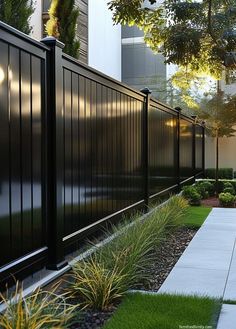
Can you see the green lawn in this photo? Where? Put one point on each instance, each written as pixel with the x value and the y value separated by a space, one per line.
pixel 139 311
pixel 196 216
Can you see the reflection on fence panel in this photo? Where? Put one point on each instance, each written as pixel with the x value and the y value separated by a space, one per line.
pixel 186 149
pixel 199 149
pixel 162 127
pixel 78 152
pixel 22 224
pixel 103 148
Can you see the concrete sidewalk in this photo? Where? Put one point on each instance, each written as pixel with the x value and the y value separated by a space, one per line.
pixel 208 265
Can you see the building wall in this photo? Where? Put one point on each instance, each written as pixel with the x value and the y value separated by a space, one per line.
pixel 227 152
pixel 82 29
pixel 36 20
pixel 104 40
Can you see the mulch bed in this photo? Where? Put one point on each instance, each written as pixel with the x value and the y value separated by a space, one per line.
pixel 167 256
pixel 212 202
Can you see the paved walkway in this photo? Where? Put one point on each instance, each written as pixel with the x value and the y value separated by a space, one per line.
pixel 208 265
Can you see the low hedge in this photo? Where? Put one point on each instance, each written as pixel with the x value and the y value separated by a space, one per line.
pixel 223 173
pixel 221 183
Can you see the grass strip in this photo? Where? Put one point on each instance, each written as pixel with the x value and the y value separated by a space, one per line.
pixel 143 311
pixel 195 216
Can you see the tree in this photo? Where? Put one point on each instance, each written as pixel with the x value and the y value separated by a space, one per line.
pixel 219 113
pixel 17 14
pixel 62 25
pixel 198 36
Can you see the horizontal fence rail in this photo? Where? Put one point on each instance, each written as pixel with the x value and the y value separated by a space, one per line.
pixel 78 149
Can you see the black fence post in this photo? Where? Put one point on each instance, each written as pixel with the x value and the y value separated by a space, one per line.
pixel 194 117
pixel 147 92
pixel 54 138
pixel 178 146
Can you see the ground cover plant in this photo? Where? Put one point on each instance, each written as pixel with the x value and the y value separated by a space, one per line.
pixel 139 311
pixel 196 216
pixel 104 277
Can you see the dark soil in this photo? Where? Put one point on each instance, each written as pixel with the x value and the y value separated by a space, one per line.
pixel 212 202
pixel 167 256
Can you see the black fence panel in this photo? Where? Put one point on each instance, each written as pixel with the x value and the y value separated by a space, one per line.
pixel 103 167
pixel 186 152
pixel 199 149
pixel 163 148
pixel 78 149
pixel 22 80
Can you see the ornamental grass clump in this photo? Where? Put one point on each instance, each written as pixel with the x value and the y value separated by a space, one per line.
pixel 104 277
pixel 41 310
pixel 97 285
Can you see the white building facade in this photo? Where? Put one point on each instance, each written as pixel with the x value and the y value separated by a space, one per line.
pixel 100 40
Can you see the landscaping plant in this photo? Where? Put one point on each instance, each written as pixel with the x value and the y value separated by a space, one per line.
pixel 41 310
pixel 97 285
pixel 201 189
pixel 119 265
pixel 63 25
pixel 227 199
pixel 207 186
pixel 17 14
pixel 192 195
pixel 222 184
pixel 228 188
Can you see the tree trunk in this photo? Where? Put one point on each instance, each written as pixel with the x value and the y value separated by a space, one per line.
pixel 217 164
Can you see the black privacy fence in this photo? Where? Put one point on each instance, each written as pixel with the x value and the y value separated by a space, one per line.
pixel 78 149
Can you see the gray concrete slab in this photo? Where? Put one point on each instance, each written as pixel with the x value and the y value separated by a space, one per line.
pixel 230 289
pixel 204 267
pixel 202 258
pixel 215 241
pixel 195 281
pixel 227 318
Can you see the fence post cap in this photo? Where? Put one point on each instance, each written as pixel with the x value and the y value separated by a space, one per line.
pixel 146 91
pixel 177 108
pixel 51 41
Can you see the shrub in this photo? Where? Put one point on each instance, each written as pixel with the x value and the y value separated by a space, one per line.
pixel 221 183
pixel 226 199
pixel 119 265
pixel 229 190
pixel 208 186
pixel 192 195
pixel 41 310
pixel 223 173
pixel 201 189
